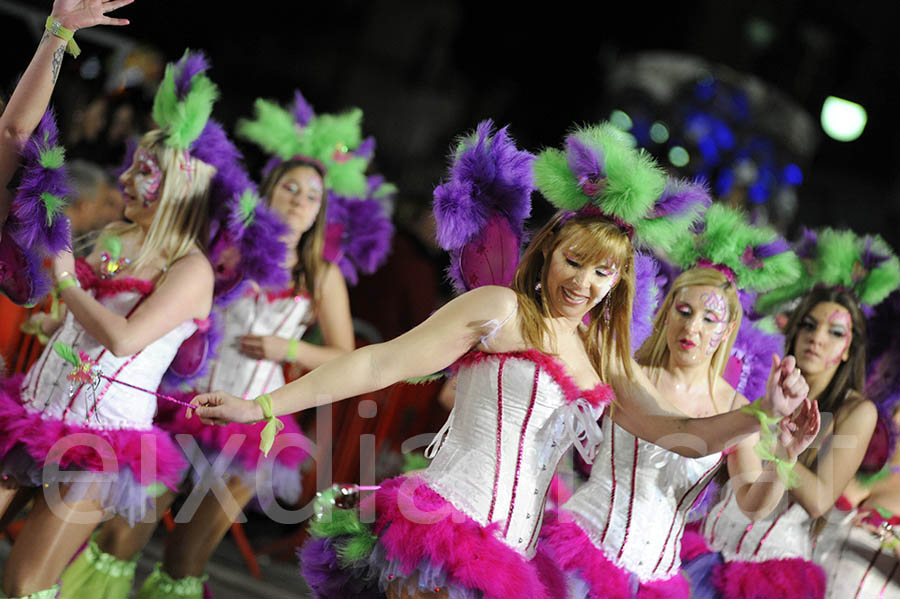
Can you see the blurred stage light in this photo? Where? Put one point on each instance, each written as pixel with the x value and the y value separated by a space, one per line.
pixel 659 132
pixel 678 156
pixel 620 120
pixel 843 120
pixel 792 174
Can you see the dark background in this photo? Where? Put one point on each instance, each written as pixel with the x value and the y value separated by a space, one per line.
pixel 424 72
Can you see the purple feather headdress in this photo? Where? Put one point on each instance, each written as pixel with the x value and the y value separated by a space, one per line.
pixel 359 232
pixel 647 297
pixel 489 191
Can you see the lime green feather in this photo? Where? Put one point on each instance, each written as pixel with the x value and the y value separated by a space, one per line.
pixel 347 178
pixel 384 190
pixel 838 253
pixel 664 234
pixel 67 353
pixel 867 480
pixel 52 205
pixel 353 539
pixel 248 202
pixel 53 157
pixel 421 380
pixel 273 129
pixel 556 182
pixel 326 134
pixel 415 461
pixel 183 120
pixel 165 101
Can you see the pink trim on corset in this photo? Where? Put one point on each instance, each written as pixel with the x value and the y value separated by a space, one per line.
pixel 600 395
pixel 259 362
pixel 612 492
pixel 46 356
pixel 766 534
pixel 630 499
pixel 274 296
pixel 275 366
pixel 744 535
pixel 512 503
pixel 866 573
pixel 109 382
pixel 490 515
pixel 888 580
pixel 703 479
pixel 712 532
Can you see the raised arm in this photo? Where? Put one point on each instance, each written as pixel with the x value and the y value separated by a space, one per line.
pixel 433 345
pixel 638 411
pixel 32 94
pixel 185 293
pixel 334 320
pixel 839 461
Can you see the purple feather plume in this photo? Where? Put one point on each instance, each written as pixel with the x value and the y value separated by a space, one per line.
pixel 363 235
pixel 263 252
pixel 488 175
pixel 871 259
pixel 647 297
pixel 28 220
pixel 191 63
pixel 327 577
pixel 585 162
pixel 681 196
pixel 231 179
pixel 767 250
pixel 753 348
pixel 808 245
pixel 366 149
pixel 302 110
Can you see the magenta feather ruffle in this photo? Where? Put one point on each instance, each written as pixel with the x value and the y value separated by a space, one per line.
pixel 793 578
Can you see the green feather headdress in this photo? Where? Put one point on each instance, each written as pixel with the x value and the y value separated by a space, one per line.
pixel 329 139
pixel 598 169
pixel 756 258
pixel 184 101
pixel 865 265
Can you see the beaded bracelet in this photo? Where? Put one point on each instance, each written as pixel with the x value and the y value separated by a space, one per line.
pixel 57 29
pixel 765 448
pixel 273 426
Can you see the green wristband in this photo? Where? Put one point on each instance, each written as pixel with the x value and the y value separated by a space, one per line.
pixel 273 426
pixel 768 440
pixel 67 282
pixel 292 350
pixel 57 29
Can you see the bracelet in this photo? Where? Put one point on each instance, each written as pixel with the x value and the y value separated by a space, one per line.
pixel 57 29
pixel 66 280
pixel 765 448
pixel 293 348
pixel 34 328
pixel 273 426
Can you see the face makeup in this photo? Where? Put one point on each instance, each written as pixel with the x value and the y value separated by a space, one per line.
pixel 147 178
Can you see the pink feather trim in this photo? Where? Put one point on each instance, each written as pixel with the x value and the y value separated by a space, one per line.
pixel 122 447
pixel 109 287
pixel 693 543
pixel 416 524
pixel 574 553
pixel 601 395
pixel 173 419
pixel 793 578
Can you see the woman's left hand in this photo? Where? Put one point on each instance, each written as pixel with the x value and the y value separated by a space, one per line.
pixel 798 431
pixel 81 14
pixel 264 347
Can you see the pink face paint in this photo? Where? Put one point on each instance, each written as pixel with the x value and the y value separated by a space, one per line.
pixel 717 307
pixel 841 317
pixel 148 177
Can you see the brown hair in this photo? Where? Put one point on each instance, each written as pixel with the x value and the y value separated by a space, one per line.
pixel 655 351
pixel 310 263
pixel 595 239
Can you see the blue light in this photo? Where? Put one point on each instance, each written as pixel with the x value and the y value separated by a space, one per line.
pixel 792 174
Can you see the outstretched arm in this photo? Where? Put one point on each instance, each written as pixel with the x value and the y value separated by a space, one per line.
pixel 32 94
pixel 638 411
pixel 819 489
pixel 433 345
pixel 334 320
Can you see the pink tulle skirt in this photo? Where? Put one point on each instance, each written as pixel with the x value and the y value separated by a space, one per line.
pixel 279 472
pixel 592 574
pixel 793 578
pixel 122 468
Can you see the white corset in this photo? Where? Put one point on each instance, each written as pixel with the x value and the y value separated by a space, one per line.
pixel 514 418
pixel 254 314
pixel 110 405
pixel 636 502
pixel 785 533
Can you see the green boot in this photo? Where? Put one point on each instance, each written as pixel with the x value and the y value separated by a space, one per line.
pixel 162 586
pixel 97 575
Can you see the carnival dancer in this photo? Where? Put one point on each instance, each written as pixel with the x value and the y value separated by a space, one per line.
pixel 827 332
pixel 262 330
pixel 86 434
pixel 531 384
pixel 31 220
pixel 620 534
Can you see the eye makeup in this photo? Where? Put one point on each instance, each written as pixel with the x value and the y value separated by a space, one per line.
pixel 148 177
pixel 840 321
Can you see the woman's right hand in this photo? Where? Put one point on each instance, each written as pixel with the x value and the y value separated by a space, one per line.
pixel 81 14
pixel 219 407
pixel 786 388
pixel 797 432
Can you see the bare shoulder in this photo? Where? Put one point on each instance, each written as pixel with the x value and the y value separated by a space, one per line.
pixel 332 275
pixel 728 398
pixel 502 300
pixel 858 411
pixel 193 265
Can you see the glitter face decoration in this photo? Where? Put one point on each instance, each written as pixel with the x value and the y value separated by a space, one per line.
pixel 840 320
pixel 148 177
pixel 716 311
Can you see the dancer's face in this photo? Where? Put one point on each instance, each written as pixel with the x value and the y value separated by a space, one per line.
pixel 575 285
pixel 697 323
pixel 823 339
pixel 141 187
pixel 297 197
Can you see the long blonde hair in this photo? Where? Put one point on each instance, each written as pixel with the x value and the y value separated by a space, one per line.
pixel 654 352
pixel 181 221
pixel 596 240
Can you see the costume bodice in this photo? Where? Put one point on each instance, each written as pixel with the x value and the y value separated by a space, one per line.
pixel 108 404
pixel 515 416
pixel 785 533
pixel 636 502
pixel 257 313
